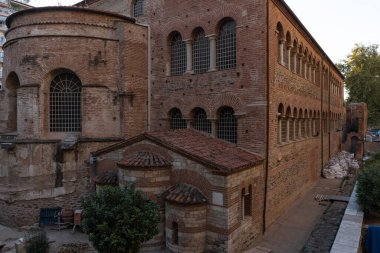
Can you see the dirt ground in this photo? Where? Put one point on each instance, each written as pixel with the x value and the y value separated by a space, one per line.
pixel 61 241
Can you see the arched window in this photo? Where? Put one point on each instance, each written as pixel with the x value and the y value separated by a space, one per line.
pixel 175 233
pixel 12 83
pixel 280 43
pixel 227 125
pixel 246 202
pixel 226 45
pixel 201 52
pixel 200 121
pixel 176 120
pixel 138 8
pixel 178 55
pixel 65 103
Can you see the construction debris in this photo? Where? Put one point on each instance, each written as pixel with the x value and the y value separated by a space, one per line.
pixel 340 165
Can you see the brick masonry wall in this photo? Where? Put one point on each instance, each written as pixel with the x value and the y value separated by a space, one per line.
pixel 109 55
pixel 191 222
pixel 28 175
pixel 295 165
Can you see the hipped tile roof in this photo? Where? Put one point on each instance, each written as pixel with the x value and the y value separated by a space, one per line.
pixel 221 156
pixel 184 194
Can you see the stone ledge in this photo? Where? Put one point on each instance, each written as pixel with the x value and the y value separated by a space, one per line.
pixel 347 239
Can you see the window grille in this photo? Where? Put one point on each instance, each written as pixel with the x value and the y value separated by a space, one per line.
pixel 201 52
pixel 200 121
pixel 227 125
pixel 138 8
pixel 178 55
pixel 226 46
pixel 176 120
pixel 65 103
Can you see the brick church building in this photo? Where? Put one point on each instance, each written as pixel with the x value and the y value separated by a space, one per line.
pixel 223 112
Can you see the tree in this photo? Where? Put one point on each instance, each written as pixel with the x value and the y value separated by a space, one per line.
pixel 362 71
pixel 368 191
pixel 119 220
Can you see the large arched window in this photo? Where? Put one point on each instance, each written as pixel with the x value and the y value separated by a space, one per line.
pixel 176 120
pixel 226 45
pixel 138 8
pixel 200 121
pixel 227 125
pixel 65 103
pixel 201 51
pixel 178 54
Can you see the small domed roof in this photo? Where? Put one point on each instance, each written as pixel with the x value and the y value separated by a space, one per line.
pixel 144 159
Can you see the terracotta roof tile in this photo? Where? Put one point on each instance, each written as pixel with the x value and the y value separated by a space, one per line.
pixel 222 155
pixel 144 159
pixel 184 194
pixel 107 178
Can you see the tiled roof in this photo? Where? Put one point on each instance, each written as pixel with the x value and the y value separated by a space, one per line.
pixel 107 178
pixel 219 154
pixel 184 194
pixel 144 159
pixel 222 156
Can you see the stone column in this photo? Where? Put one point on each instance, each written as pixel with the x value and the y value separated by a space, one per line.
pixel 281 51
pixel 212 39
pixel 189 55
pixel 213 128
pixel 289 52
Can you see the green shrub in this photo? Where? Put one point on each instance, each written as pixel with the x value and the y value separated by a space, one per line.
pixel 368 191
pixel 36 241
pixel 119 220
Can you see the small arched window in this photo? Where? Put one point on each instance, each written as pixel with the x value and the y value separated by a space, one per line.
pixel 176 120
pixel 227 125
pixel 175 233
pixel 246 202
pixel 138 8
pixel 178 55
pixel 201 51
pixel 200 121
pixel 65 103
pixel 226 45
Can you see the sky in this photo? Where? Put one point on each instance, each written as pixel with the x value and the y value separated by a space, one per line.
pixel 337 25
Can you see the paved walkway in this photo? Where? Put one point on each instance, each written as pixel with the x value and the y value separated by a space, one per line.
pixel 290 232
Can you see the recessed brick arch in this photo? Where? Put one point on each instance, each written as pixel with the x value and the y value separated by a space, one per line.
pixel 229 100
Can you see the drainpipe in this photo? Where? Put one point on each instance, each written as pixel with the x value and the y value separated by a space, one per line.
pixel 267 125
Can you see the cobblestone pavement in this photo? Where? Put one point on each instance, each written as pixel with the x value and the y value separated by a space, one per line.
pixel 323 235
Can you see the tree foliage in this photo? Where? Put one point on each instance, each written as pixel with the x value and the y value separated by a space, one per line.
pixel 119 220
pixel 369 185
pixel 362 71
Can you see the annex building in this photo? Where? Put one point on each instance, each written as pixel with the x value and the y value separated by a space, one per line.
pixel 223 112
